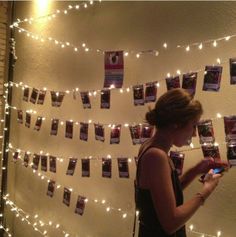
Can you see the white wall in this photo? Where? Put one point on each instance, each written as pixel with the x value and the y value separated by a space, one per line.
pixel 112 26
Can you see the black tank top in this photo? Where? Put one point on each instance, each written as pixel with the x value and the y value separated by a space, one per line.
pixel 149 225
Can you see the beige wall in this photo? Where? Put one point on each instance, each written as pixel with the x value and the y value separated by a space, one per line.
pixel 112 26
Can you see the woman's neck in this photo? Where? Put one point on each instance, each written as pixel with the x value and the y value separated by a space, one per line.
pixel 162 139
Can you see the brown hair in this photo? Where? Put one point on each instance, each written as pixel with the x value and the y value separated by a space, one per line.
pixel 176 106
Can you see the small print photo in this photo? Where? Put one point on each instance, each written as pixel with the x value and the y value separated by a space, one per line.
pixel 15 155
pixel 138 95
pixel 83 131
pixel 69 129
pixel 230 128
pixel 41 98
pixel 38 123
pixel 135 133
pixel 205 131
pixel 231 153
pixel 80 205
pixel 212 78
pixel 115 134
pixel 189 82
pixel 53 164
pixel 36 159
pixel 26 94
pixel 34 96
pixel 53 98
pixel 211 151
pixel 146 132
pixel 66 197
pixel 85 167
pixel 105 99
pixel 232 63
pixel 99 132
pixel 85 99
pixel 123 167
pixel 71 166
pixel 150 92
pixel 20 116
pixel 51 188
pixel 59 99
pixel 44 163
pixel 26 159
pixel 106 167
pixel 27 120
pixel 54 127
pixel 172 82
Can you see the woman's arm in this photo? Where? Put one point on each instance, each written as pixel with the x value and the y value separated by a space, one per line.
pixel 157 173
pixel 188 177
pixel 202 167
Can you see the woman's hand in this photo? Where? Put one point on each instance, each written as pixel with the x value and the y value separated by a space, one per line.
pixel 211 180
pixel 206 164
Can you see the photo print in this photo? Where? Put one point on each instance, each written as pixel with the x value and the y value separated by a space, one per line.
pixel 71 166
pixel 52 164
pixel 54 127
pixel 212 78
pixel 51 188
pixel 115 134
pixel 41 98
pixel 138 95
pixel 26 94
pixel 85 166
pixel 99 132
pixel 34 95
pixel 105 99
pixel 123 167
pixel 84 131
pixel 27 120
pixel 114 69
pixel 150 92
pixel 69 129
pixel 172 82
pixel 106 167
pixel 189 82
pixel 85 99
pixel 205 131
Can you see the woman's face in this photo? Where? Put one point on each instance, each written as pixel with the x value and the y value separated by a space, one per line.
pixel 184 134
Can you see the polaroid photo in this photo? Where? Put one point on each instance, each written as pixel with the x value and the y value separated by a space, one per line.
pixel 106 167
pixel 71 166
pixel 85 166
pixel 51 188
pixel 123 167
pixel 138 95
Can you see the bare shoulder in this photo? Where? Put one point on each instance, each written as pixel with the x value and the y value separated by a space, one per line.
pixel 154 159
pixel 153 153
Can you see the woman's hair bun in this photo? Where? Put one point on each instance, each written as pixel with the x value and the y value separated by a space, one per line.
pixel 151 117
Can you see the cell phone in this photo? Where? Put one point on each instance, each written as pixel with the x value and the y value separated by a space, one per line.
pixel 219 170
pixel 215 170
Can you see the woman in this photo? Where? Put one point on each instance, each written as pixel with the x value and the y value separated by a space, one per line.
pixel 158 189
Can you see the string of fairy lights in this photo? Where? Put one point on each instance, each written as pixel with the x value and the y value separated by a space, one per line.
pixel 95 92
pixel 187 47
pixel 102 203
pixel 7 230
pixel 36 223
pixel 83 47
pixel 33 220
pixel 154 52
